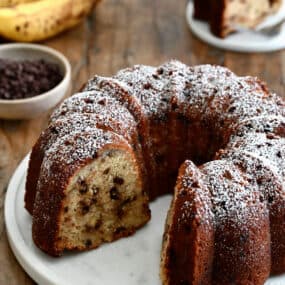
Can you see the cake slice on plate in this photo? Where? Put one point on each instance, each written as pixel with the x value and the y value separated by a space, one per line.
pixel 225 15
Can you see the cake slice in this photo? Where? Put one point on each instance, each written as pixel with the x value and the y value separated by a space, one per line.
pixel 188 244
pixel 90 191
pixel 225 15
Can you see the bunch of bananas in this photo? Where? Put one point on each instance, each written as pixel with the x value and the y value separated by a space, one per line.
pixel 36 20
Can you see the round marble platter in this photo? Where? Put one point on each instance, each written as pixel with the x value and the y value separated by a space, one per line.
pixel 242 41
pixel 129 261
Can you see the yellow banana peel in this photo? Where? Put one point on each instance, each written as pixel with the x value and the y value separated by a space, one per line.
pixel 42 19
pixel 9 3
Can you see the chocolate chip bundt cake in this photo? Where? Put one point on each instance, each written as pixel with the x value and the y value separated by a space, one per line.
pixel 119 143
pixel 225 15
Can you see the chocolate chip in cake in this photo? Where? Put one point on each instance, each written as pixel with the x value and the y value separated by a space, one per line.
pixel 84 207
pixel 278 154
pixel 232 109
pixel 88 243
pixel 120 230
pixel 106 171
pixel 114 193
pixel 118 180
pixel 160 71
pixel 82 186
pixel 90 229
pixel 147 86
pixel 65 209
pixel 259 181
pixel 102 102
pixel 88 101
pixel 223 205
pixel 270 136
pixel 228 175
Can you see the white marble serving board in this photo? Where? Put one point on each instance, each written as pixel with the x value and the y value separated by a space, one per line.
pixel 128 261
pixel 242 41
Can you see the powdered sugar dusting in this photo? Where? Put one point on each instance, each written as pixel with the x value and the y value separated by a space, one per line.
pixel 230 188
pixel 72 149
pixel 192 183
pixel 234 198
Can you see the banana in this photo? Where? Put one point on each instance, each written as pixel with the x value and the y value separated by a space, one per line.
pixel 9 3
pixel 40 20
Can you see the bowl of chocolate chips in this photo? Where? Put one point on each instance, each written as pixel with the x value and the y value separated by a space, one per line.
pixel 33 79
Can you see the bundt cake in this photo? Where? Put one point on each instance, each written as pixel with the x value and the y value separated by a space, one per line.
pixel 119 143
pixel 224 16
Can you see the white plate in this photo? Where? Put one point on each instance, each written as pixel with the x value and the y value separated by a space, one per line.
pixel 242 41
pixel 128 261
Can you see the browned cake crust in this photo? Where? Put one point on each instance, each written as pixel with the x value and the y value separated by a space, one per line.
pixel 226 221
pixel 189 241
pixel 63 163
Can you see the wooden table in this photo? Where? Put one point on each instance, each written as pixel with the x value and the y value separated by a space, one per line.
pixel 118 34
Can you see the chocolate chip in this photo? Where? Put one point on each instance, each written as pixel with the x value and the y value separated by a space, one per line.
pixel 65 209
pixel 82 186
pixel 278 154
pixel 114 193
pixel 258 167
pixel 259 181
pixel 106 171
pixel 270 199
pixel 118 180
pixel 88 243
pixel 54 130
pixel 28 78
pixel 89 101
pixel 102 102
pixel 93 201
pixel 119 230
pixel 85 209
pixel 249 126
pixel 155 76
pixel 232 109
pixel 223 205
pixel 270 136
pixel 195 184
pixel 90 229
pixel 228 175
pixel 160 71
pixel 147 86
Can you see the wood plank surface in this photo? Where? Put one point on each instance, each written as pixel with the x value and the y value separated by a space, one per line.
pixel 118 34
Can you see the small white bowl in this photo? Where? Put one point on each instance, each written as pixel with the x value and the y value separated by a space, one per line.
pixel 32 107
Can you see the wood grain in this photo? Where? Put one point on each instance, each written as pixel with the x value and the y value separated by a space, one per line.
pixel 121 33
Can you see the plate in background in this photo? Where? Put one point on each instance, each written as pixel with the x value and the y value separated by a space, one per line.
pixel 242 41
